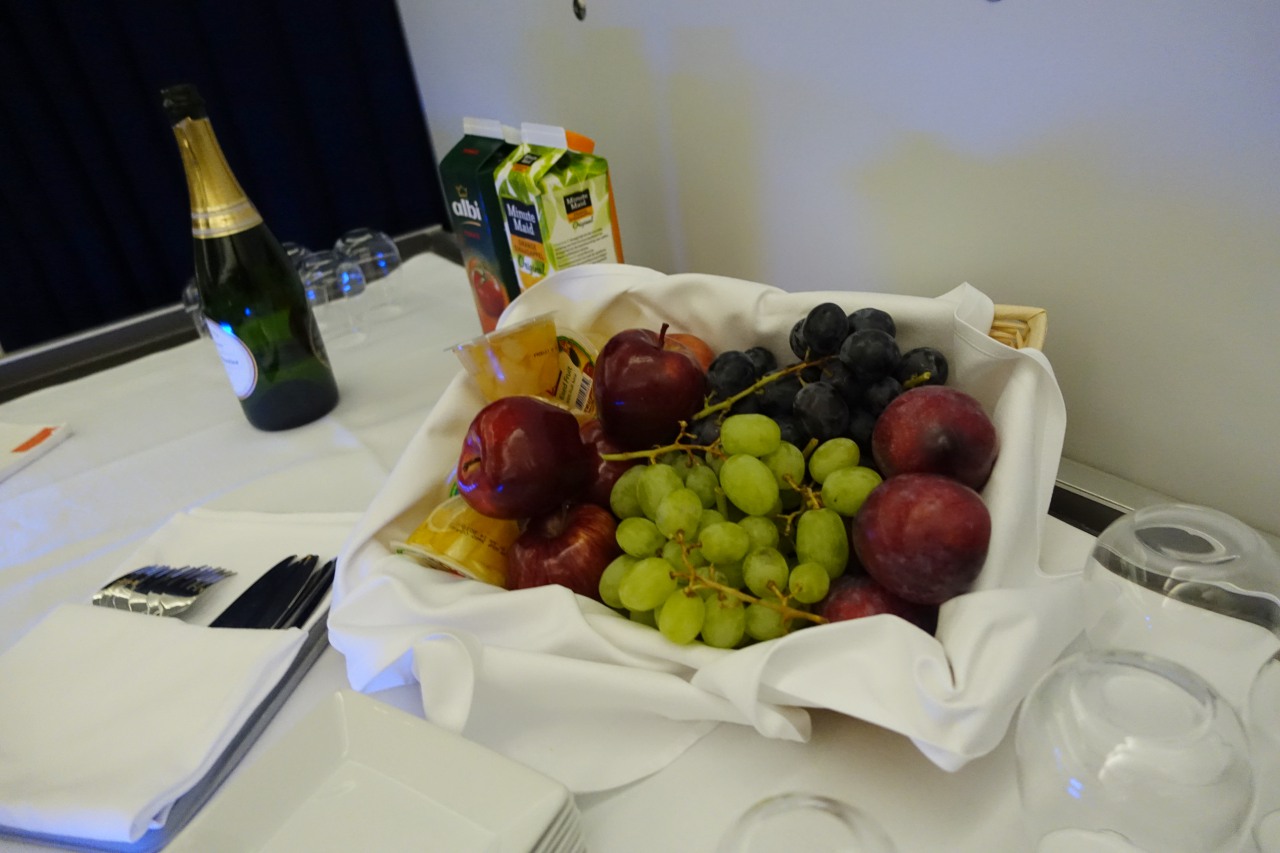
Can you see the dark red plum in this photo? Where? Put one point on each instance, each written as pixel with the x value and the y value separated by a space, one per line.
pixel 924 537
pixel 934 429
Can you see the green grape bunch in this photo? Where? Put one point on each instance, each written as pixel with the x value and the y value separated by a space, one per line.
pixel 720 557
pixel 735 533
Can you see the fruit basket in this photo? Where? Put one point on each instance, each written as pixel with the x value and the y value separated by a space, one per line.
pixel 572 680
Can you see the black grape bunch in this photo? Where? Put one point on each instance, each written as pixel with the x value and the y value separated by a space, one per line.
pixel 849 368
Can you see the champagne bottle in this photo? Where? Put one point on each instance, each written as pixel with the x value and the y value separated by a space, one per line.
pixel 254 303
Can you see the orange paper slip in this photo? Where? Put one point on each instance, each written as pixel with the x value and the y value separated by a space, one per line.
pixel 22 444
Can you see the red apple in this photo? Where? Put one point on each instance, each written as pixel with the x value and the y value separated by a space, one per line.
pixel 571 546
pixel 924 537
pixel 934 429
pixel 697 347
pixel 521 457
pixel 604 473
pixel 855 595
pixel 644 387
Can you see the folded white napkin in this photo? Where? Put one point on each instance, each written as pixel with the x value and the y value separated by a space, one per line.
pixel 22 444
pixel 107 717
pixel 566 685
pixel 248 543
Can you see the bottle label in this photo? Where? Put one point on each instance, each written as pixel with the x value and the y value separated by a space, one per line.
pixel 242 370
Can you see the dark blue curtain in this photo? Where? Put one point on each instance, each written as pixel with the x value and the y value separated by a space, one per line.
pixel 314 102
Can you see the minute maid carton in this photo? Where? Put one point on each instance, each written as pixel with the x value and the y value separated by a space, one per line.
pixel 557 204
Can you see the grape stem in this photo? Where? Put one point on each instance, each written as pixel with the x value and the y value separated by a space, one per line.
pixel 807 494
pixel 723 405
pixel 919 379
pixel 678 444
pixel 696 581
pixel 727 402
pixel 789 519
pixel 652 455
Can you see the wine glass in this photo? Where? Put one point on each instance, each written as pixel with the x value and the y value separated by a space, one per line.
pixel 1190 584
pixel 335 288
pixel 1124 751
pixel 804 821
pixel 193 304
pixel 378 257
pixel 1263 724
pixel 296 252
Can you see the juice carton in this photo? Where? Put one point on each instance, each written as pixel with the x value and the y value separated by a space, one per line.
pixel 466 173
pixel 557 204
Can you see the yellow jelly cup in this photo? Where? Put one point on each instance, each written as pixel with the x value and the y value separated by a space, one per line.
pixel 519 359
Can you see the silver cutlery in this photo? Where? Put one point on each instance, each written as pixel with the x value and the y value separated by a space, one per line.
pixel 264 603
pixel 307 599
pixel 285 596
pixel 159 590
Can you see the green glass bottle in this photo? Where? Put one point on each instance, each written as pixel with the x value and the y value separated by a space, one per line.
pixel 254 303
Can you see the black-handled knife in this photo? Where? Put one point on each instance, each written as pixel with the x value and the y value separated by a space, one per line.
pixel 312 592
pixel 263 603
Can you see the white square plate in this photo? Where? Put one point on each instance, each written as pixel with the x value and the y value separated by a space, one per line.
pixel 357 774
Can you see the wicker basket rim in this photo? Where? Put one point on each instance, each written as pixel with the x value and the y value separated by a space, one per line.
pixel 1020 326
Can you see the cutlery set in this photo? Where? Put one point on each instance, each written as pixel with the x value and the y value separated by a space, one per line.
pixel 183 762
pixel 159 590
pixel 285 596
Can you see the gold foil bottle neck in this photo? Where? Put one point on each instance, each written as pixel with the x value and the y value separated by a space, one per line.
pixel 219 207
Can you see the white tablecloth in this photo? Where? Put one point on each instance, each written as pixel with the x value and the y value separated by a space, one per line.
pixel 164 433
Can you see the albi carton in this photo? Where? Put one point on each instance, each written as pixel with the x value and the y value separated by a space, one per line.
pixel 475 214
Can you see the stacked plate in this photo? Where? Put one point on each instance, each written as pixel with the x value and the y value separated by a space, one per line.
pixel 357 774
pixel 564 833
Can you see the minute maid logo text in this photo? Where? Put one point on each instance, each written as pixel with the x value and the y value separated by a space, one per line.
pixel 577 208
pixel 464 207
pixel 522 219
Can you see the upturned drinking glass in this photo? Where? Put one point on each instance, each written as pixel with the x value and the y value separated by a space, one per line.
pixel 335 288
pixel 808 822
pixel 378 257
pixel 1124 751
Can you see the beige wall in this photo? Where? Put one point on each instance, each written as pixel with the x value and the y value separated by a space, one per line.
pixel 1114 161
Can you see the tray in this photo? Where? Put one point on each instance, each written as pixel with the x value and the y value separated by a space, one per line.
pixel 358 774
